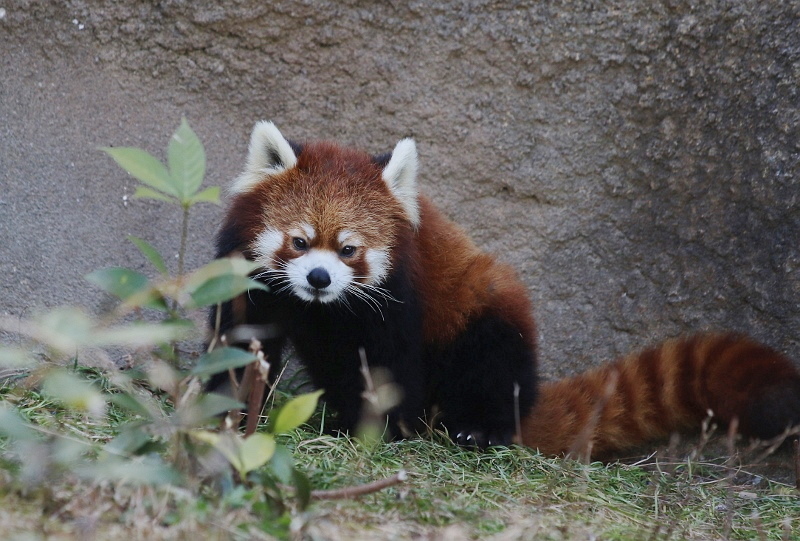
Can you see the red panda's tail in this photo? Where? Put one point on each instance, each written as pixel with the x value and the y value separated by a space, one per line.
pixel 669 388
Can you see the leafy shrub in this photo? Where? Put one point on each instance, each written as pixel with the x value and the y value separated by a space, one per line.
pixel 161 429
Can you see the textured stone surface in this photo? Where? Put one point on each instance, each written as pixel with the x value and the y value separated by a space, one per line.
pixel 638 162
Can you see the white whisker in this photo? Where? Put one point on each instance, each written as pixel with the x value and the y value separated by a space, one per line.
pixel 376 290
pixel 368 299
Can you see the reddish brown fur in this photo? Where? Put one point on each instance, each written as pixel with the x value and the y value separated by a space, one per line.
pixel 458 281
pixel 665 389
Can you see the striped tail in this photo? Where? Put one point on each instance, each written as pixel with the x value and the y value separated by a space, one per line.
pixel 669 388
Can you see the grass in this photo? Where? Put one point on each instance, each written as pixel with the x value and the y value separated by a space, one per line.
pixel 517 494
pixel 451 493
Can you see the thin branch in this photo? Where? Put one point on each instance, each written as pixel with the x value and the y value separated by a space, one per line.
pixel 360 490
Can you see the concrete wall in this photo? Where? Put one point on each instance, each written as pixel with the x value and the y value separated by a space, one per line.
pixel 638 162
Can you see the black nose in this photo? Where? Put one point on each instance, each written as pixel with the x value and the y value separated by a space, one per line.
pixel 319 278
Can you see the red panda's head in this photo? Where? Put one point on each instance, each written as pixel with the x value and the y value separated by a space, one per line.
pixel 323 220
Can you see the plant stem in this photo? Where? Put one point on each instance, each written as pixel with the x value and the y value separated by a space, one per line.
pixel 181 255
pixel 184 235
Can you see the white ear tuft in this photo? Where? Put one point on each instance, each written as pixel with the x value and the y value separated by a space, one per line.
pixel 400 174
pixel 269 153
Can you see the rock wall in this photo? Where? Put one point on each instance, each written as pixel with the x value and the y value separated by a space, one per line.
pixel 638 162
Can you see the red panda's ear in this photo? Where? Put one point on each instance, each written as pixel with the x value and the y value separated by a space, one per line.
pixel 269 153
pixel 400 174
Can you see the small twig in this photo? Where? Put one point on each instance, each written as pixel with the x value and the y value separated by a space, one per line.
pixel 359 490
pixel 257 383
pixel 254 401
pixel 581 449
pixel 517 420
pixel 217 325
pixel 770 446
pixel 759 525
pixel 369 394
pixel 246 382
pixel 733 428
pixel 707 429
pixel 787 529
pixel 272 387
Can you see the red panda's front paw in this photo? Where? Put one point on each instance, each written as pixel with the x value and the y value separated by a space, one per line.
pixel 478 439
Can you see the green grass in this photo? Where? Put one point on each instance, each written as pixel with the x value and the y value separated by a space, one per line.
pixel 451 493
pixel 518 492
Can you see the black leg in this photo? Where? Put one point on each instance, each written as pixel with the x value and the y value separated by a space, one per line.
pixel 476 390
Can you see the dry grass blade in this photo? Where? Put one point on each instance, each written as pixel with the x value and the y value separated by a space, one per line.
pixel 581 449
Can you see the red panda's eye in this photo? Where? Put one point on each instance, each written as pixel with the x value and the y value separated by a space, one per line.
pixel 299 244
pixel 348 251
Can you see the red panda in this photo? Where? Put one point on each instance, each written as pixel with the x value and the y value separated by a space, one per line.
pixel 355 258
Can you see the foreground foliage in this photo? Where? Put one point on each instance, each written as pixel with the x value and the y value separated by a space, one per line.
pixel 159 433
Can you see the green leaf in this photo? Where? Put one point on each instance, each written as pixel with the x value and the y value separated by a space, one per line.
pixel 187 161
pixel 206 436
pixel 65 329
pixel 16 358
pixel 218 281
pixel 142 334
pixel 143 192
pixel 303 489
pixel 144 167
pixel 255 451
pixel 127 442
pixel 296 412
pixel 163 375
pixel 150 253
pixel 219 267
pixel 220 360
pixel 209 195
pixel 227 444
pixel 13 426
pixel 207 406
pixel 67 452
pixel 74 392
pixel 222 288
pixel 130 403
pixel 119 281
pixel 244 454
pixel 282 464
pixel 144 470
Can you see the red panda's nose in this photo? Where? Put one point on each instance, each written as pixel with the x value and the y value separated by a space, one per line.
pixel 319 278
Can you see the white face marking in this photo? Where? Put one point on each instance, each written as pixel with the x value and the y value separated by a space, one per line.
pixel 378 261
pixel 309 231
pixel 267 243
pixel 346 237
pixel 297 271
pixel 303 231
